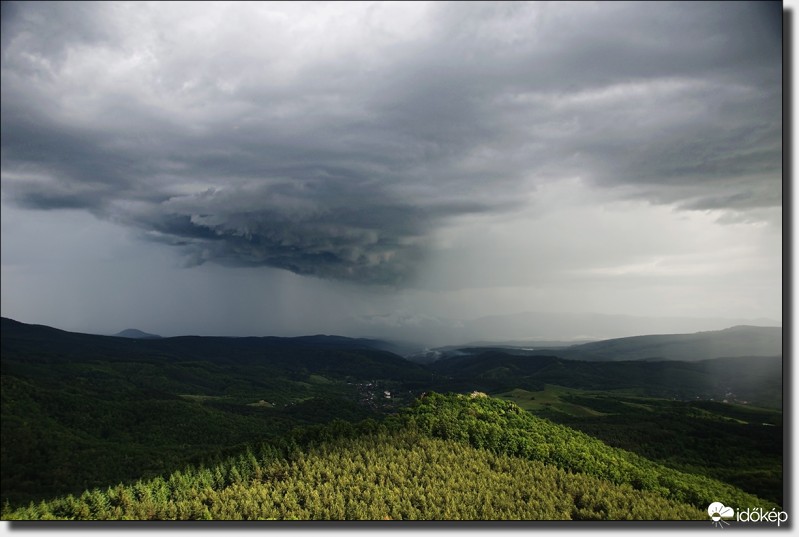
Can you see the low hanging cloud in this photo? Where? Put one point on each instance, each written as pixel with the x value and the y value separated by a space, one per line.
pixel 294 226
pixel 333 139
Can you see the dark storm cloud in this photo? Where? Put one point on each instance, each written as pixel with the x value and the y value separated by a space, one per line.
pixel 333 139
pixel 301 228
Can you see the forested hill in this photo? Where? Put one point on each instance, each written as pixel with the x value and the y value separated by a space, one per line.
pixel 81 411
pixel 95 409
pixel 756 380
pixel 361 358
pixel 444 458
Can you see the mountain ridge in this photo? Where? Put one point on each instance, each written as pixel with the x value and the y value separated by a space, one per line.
pixel 739 340
pixel 531 326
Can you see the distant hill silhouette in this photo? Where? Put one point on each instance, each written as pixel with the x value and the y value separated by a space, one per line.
pixel 361 358
pixel 731 342
pixel 134 333
pixel 744 360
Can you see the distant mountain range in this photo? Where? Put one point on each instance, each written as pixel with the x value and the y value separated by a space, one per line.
pixel 361 358
pixel 730 342
pixel 737 341
pixel 743 360
pixel 535 329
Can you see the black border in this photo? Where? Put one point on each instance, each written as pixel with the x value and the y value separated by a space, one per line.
pixel 787 259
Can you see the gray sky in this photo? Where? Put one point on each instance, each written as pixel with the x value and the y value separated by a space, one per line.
pixel 269 168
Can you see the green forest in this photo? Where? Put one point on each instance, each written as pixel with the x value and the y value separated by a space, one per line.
pixel 447 457
pixel 101 428
pixel 452 457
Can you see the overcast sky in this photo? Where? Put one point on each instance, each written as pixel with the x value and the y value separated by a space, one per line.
pixel 271 168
